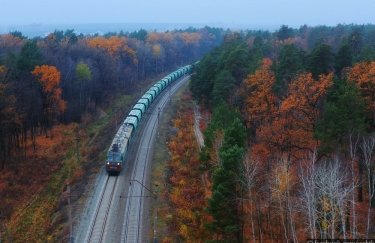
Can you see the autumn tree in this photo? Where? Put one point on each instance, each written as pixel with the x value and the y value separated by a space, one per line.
pixel 260 101
pixel 301 108
pixel 187 192
pixel 363 75
pixel 114 46
pixel 53 105
pixel 300 105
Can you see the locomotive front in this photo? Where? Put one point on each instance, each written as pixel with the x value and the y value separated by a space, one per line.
pixel 114 160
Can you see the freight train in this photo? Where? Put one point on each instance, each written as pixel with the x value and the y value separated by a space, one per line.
pixel 117 151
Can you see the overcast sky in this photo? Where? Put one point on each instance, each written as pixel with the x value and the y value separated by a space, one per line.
pixel 248 12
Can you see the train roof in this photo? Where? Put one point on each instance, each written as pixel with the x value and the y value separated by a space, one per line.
pixel 120 140
pixel 139 106
pixel 142 100
pixel 151 92
pixel 158 85
pixel 136 113
pixel 146 96
pixel 131 120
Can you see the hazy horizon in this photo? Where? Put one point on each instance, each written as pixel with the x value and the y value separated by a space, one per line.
pixel 236 12
pixel 35 30
pixel 40 17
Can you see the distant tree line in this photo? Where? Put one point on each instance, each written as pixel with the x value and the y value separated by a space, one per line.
pixel 58 78
pixel 291 138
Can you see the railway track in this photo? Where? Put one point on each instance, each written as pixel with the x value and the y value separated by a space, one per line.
pixel 112 219
pixel 98 224
pixel 132 225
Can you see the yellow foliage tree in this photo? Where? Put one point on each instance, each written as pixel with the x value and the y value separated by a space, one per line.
pixel 49 78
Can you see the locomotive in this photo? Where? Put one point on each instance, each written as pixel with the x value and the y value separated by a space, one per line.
pixel 117 151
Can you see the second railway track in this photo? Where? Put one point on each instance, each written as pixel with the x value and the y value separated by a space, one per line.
pixel 132 226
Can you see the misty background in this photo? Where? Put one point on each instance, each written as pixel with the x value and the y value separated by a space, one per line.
pixel 39 17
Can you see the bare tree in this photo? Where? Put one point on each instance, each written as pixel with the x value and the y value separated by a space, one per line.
pixel 250 167
pixel 367 147
pixel 309 200
pixel 281 191
pixel 326 190
pixel 353 147
pixel 333 190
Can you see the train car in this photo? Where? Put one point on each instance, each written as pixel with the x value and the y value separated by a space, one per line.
pixel 117 151
pixel 131 121
pixel 166 80
pixel 178 73
pixel 162 84
pixel 144 102
pixel 155 89
pixel 137 114
pixel 148 97
pixel 158 86
pixel 169 78
pixel 152 94
pixel 140 107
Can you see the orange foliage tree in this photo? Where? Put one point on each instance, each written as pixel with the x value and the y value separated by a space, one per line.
pixel 286 125
pixel 260 102
pixel 284 131
pixel 301 109
pixel 114 46
pixel 154 37
pixel 363 75
pixel 49 78
pixel 191 38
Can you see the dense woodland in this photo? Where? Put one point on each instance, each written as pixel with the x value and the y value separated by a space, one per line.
pixel 290 146
pixel 63 76
pixel 60 101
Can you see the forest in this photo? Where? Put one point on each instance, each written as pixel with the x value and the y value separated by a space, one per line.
pixel 290 142
pixel 289 132
pixel 52 89
pixel 59 78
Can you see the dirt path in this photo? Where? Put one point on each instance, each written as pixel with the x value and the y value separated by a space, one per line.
pixel 197 130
